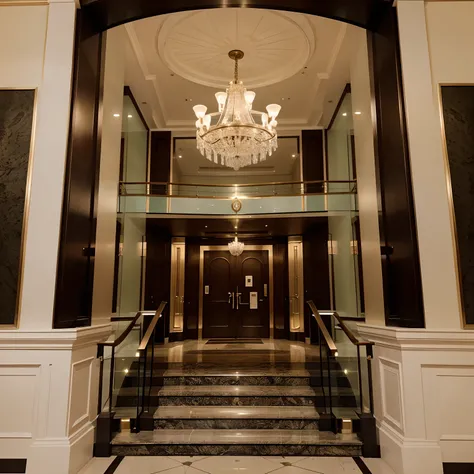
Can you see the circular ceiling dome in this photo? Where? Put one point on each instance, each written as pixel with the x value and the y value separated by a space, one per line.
pixel 195 45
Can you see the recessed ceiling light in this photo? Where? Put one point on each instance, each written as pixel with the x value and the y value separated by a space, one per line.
pixel 235 227
pixel 116 115
pixel 180 156
pixel 130 116
pixel 293 156
pixel 266 225
pixel 344 114
pixel 205 226
pixel 358 113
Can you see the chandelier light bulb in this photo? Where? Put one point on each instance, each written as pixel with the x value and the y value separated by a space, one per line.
pixel 221 97
pixel 264 120
pixel 250 97
pixel 207 121
pixel 273 110
pixel 200 111
pixel 273 123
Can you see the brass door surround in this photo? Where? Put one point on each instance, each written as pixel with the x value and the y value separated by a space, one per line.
pixel 178 256
pixel 296 283
pixel 210 248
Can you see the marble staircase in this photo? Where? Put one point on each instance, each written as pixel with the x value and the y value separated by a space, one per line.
pixel 238 405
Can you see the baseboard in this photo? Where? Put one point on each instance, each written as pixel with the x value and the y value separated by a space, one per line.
pixel 12 466
pixel 458 468
pixel 297 336
pixel 192 334
pixel 62 455
pixel 176 336
pixel 409 456
pixel 280 334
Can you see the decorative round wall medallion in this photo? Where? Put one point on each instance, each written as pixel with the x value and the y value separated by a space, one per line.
pixel 195 45
pixel 236 205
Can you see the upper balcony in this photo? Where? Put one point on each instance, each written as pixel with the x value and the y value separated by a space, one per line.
pixel 330 197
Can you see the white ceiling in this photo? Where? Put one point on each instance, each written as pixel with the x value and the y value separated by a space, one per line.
pixel 176 61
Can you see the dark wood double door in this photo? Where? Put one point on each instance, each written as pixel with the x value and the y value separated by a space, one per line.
pixel 228 286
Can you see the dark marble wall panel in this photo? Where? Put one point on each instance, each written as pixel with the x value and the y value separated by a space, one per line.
pixel 16 121
pixel 458 111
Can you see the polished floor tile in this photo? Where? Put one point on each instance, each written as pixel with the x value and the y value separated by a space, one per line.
pixel 235 464
pixel 377 466
pixel 230 464
pixel 146 465
pixel 329 465
pixel 97 466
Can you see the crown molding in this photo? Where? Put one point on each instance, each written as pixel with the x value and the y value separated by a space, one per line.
pixel 147 75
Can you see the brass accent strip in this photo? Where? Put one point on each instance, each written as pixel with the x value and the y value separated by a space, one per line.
pixel 329 341
pixel 146 338
pixel 449 191
pixel 159 183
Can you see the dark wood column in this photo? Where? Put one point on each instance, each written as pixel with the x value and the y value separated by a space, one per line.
pixel 316 270
pixel 160 157
pixel 313 159
pixel 399 253
pixel 73 300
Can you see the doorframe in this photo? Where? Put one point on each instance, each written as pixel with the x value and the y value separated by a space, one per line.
pixel 211 248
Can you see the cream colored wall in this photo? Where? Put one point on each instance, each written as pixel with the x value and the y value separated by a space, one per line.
pixel 449 26
pixel 109 176
pixel 22 45
pixel 427 161
pixel 366 180
pixel 36 50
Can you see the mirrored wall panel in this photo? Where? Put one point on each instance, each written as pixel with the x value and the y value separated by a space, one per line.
pixel 16 122
pixel 458 112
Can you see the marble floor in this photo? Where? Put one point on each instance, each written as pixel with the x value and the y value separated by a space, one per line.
pixel 230 464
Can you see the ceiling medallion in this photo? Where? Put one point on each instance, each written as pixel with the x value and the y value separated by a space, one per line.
pixel 236 248
pixel 236 140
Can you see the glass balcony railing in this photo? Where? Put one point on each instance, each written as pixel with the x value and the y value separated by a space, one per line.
pixel 265 198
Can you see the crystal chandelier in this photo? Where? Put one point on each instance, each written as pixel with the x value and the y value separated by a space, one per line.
pixel 236 140
pixel 236 248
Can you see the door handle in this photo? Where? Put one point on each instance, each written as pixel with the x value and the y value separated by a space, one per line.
pixel 239 298
pixel 232 298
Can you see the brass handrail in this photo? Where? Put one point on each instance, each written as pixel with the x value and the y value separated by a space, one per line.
pixel 352 337
pixel 124 334
pixel 146 338
pixel 204 185
pixel 324 331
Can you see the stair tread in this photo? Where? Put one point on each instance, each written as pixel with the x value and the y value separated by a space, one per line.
pixel 255 437
pixel 235 412
pixel 238 391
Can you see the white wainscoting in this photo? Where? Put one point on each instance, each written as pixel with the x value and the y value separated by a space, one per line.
pixel 448 392
pixel 424 386
pixel 48 397
pixel 391 390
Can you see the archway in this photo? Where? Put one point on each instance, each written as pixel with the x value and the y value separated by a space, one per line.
pixel 402 280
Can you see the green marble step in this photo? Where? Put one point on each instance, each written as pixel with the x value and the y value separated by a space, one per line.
pixel 236 442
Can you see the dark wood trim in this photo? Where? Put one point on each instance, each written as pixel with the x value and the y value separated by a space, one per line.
pixel 297 336
pixel 128 92
pixel 362 466
pixel 176 336
pixel 403 293
pixel 115 464
pixel 347 90
pixel 458 468
pixel 75 271
pixel 12 466
pixel 111 13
